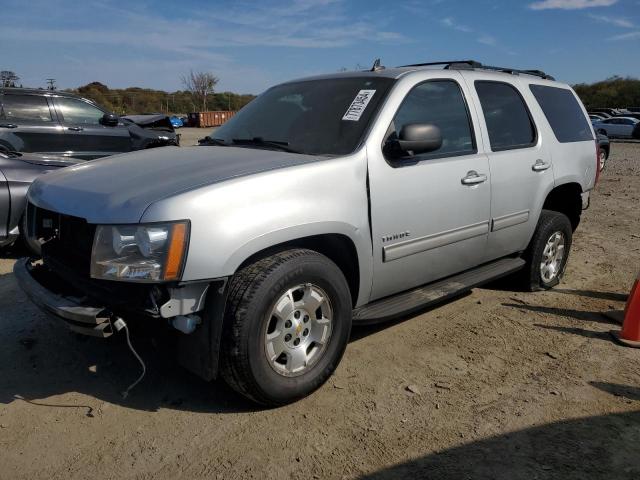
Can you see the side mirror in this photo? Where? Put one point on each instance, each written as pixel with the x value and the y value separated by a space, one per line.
pixel 109 120
pixel 419 138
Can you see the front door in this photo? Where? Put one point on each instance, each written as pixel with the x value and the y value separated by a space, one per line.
pixel 429 212
pixel 86 137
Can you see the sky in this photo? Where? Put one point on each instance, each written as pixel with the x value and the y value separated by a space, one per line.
pixel 250 46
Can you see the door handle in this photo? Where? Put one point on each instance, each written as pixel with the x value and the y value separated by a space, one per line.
pixel 474 178
pixel 540 166
pixel 75 129
pixel 8 125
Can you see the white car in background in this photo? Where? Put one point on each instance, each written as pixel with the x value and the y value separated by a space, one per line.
pixel 627 127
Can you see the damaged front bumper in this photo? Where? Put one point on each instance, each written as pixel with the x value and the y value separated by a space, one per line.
pixel 95 315
pixel 88 308
pixel 79 314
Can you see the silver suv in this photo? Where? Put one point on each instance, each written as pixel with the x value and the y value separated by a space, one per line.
pixel 329 201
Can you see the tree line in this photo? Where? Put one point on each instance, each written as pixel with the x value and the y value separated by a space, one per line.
pixel 614 92
pixel 135 100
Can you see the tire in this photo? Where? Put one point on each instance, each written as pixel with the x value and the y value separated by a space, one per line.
pixel 550 223
pixel 255 293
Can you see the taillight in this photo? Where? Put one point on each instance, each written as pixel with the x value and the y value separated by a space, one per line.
pixel 597 163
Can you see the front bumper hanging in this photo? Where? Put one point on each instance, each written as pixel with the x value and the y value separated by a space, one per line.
pixel 80 315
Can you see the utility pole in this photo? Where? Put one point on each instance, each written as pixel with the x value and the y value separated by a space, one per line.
pixel 51 83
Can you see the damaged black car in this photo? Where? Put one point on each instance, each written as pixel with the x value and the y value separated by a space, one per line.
pixel 63 124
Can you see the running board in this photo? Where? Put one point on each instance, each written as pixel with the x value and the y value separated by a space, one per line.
pixel 411 300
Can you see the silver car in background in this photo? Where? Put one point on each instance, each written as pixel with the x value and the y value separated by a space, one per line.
pixel 620 127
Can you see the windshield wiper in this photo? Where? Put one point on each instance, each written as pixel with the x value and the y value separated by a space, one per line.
pixel 212 141
pixel 261 142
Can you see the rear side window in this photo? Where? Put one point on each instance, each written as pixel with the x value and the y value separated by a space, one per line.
pixel 438 102
pixel 563 112
pixel 25 109
pixel 508 120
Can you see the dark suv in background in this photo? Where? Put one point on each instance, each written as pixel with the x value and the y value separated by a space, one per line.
pixel 61 123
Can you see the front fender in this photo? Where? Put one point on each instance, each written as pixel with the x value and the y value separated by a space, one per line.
pixel 235 219
pixel 358 237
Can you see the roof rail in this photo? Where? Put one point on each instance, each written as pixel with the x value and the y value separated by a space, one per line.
pixel 468 63
pixel 474 65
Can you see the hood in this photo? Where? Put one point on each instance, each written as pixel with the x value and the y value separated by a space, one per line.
pixel 48 160
pixel 119 189
pixel 41 159
pixel 150 121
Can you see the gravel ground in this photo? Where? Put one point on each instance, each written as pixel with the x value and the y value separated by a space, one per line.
pixel 190 136
pixel 497 384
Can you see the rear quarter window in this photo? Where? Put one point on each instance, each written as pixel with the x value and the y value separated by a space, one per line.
pixel 563 112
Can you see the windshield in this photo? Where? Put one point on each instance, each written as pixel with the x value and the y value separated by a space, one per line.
pixel 324 117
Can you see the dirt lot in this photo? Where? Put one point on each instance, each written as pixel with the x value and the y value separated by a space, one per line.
pixel 498 384
pixel 190 136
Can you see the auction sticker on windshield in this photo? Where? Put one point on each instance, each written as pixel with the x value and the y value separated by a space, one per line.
pixel 356 109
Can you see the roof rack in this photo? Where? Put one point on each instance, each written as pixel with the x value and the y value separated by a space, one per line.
pixel 474 65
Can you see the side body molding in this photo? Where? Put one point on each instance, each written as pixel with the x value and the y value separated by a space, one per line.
pixel 509 220
pixel 429 242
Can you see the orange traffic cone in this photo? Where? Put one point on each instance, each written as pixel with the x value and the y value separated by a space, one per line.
pixel 630 333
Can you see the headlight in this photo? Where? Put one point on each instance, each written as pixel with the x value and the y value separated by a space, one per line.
pixel 139 253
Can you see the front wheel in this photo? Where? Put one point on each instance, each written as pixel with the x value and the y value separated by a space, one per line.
pixel 548 251
pixel 287 325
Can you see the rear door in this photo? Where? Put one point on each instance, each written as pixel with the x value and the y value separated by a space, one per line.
pixel 519 161
pixel 28 124
pixel 615 127
pixel 574 146
pixel 429 212
pixel 627 126
pixel 85 136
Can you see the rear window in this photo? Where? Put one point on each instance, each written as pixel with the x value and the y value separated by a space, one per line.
pixel 24 109
pixel 563 112
pixel 508 120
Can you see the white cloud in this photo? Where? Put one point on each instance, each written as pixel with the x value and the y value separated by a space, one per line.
pixel 451 23
pixel 570 4
pixel 134 39
pixel 488 40
pixel 482 38
pixel 618 22
pixel 627 36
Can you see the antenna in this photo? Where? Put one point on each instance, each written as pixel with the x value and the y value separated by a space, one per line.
pixel 376 66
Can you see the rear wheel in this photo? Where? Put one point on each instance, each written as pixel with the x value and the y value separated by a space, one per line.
pixel 548 251
pixel 287 325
